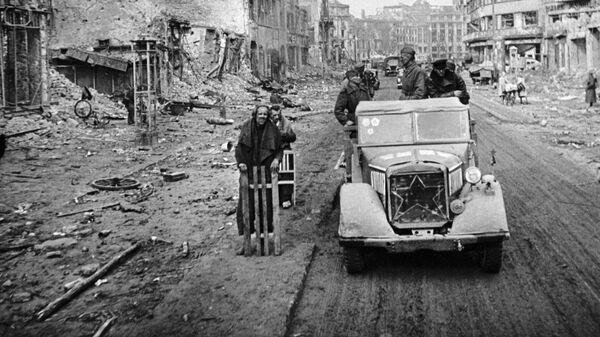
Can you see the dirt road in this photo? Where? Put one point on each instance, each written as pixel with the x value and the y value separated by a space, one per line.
pixel 549 284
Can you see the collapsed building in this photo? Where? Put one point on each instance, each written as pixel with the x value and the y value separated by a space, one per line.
pixel 108 45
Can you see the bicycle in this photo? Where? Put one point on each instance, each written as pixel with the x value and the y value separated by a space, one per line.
pixel 84 110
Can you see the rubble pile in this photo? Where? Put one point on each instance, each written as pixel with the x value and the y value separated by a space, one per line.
pixel 181 91
pixel 42 130
pixel 64 94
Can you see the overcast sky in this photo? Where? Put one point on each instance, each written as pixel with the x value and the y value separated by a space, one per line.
pixel 370 5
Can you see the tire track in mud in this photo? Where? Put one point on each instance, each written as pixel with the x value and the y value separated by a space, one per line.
pixel 546 233
pixel 547 286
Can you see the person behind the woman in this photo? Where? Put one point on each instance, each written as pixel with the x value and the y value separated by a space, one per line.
pixel 590 89
pixel 259 144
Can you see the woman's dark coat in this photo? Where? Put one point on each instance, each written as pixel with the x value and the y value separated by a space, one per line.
pixel 257 147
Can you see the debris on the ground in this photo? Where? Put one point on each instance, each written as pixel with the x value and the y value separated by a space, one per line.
pixel 88 269
pixel 175 176
pixel 219 121
pixel 156 239
pixel 221 165
pixel 104 233
pixel 185 249
pixel 128 207
pixel 54 254
pixel 100 282
pixel 104 327
pixel 56 304
pixel 227 146
pixel 115 184
pixel 21 297
pixel 69 285
pixel 22 208
pixel 60 215
pixel 55 244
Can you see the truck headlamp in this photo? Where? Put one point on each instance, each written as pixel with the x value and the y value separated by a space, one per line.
pixel 473 175
pixel 457 206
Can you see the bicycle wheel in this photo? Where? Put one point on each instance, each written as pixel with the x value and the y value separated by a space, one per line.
pixel 83 108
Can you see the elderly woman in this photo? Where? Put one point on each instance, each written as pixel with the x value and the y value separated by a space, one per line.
pixel 259 144
pixel 590 89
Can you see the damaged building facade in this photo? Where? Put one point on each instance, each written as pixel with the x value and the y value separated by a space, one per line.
pixel 94 43
pixel 214 36
pixel 433 31
pixel 279 37
pixel 561 35
pixel 23 48
pixel 572 35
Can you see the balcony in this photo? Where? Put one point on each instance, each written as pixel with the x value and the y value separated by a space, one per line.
pixel 504 33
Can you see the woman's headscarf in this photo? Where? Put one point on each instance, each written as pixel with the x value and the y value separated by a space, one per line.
pixel 261 139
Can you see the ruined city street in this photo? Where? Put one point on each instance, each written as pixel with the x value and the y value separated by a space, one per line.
pixel 183 278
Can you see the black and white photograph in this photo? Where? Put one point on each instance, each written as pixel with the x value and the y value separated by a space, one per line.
pixel 299 168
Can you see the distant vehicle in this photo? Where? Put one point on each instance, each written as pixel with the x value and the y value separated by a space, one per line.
pixel 484 73
pixel 377 63
pixel 392 65
pixel 415 185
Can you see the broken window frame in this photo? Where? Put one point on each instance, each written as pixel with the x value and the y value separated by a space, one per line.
pixel 574 16
pixel 507 20
pixel 530 18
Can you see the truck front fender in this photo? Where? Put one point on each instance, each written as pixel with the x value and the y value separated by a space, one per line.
pixel 361 213
pixel 484 210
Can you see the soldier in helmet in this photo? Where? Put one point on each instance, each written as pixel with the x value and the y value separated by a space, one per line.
pixel 413 79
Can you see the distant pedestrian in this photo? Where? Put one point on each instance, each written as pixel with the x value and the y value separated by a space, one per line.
pixel 590 89
pixel 128 101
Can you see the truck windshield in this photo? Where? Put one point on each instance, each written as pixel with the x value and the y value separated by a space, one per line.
pixel 442 125
pixel 398 128
pixel 392 62
pixel 385 129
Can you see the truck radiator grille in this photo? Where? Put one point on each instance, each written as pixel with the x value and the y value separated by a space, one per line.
pixel 418 198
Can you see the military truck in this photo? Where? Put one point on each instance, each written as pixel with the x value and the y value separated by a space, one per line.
pixel 391 65
pixel 415 185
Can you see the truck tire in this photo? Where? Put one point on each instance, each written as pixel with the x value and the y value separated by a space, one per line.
pixel 491 257
pixel 354 261
pixel 348 158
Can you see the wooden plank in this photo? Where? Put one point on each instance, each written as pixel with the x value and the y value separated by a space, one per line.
pixel 265 207
pixel 276 225
pixel 256 211
pixel 246 211
pixel 54 305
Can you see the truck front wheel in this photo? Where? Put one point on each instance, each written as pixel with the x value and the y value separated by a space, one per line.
pixel 354 261
pixel 491 257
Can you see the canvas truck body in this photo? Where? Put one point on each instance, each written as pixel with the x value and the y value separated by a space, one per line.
pixel 415 184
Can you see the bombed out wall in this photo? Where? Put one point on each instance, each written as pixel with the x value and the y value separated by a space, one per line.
pixel 82 23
